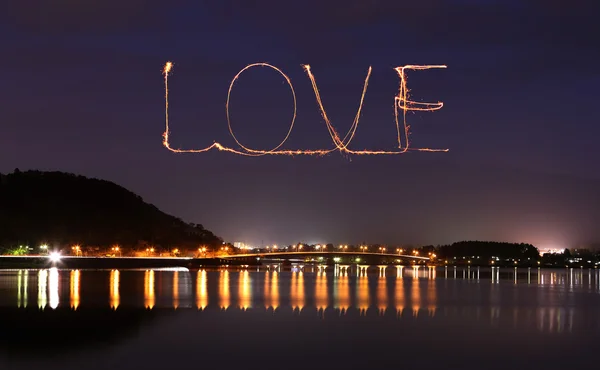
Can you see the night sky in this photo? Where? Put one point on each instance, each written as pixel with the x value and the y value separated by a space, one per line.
pixel 82 92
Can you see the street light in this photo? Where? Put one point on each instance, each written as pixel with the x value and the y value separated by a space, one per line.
pixel 116 250
pixel 55 257
pixel 77 249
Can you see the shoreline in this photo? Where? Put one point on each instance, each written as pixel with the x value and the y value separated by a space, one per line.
pixel 71 262
pixel 68 262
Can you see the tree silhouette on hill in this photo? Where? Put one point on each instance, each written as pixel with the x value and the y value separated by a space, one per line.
pixel 62 208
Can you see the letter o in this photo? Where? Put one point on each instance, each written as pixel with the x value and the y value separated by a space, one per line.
pixel 254 151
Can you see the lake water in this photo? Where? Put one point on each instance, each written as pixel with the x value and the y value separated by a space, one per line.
pixel 335 318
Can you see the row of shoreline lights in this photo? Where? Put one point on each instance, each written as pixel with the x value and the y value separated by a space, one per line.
pixel 56 256
pixel 116 249
pixel 77 248
pixel 363 249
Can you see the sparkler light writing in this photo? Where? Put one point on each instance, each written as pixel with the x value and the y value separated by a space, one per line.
pixel 402 103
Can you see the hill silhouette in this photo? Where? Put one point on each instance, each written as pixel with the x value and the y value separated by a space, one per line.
pixel 63 209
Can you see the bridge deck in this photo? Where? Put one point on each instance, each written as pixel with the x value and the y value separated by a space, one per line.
pixel 326 253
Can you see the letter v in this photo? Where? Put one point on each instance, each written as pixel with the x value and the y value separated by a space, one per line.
pixel 341 144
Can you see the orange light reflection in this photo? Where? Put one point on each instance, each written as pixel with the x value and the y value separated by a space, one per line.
pixel 245 290
pixel 175 289
pixel 382 294
pixel 201 290
pixel 297 290
pixel 74 280
pixel 400 297
pixel 415 293
pixel 362 293
pixel 342 292
pixel 114 289
pixel 225 299
pixel 431 292
pixel 321 290
pixel 149 295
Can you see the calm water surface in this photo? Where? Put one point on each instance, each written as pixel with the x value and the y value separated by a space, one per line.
pixel 338 317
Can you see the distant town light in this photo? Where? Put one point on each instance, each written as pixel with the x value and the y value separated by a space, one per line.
pixel 243 246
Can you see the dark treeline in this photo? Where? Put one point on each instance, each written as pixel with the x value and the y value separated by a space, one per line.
pixel 63 209
pixel 487 250
pixel 519 254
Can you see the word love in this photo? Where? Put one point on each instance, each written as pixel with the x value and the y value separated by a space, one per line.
pixel 402 103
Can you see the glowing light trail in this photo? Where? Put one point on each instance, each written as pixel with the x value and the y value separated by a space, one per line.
pixel 401 102
pixel 260 152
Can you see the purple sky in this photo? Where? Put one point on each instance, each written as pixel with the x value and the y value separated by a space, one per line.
pixel 82 92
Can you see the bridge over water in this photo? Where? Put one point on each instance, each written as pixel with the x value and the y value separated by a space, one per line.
pixel 190 262
pixel 343 255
